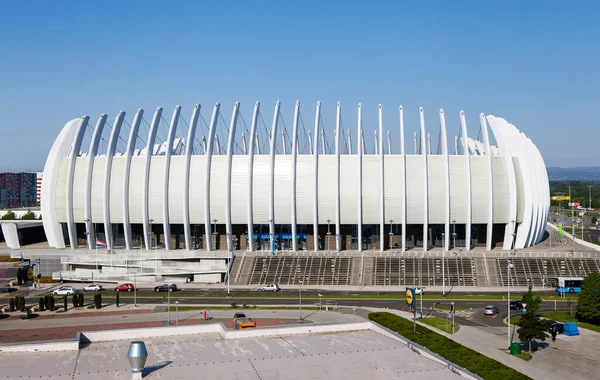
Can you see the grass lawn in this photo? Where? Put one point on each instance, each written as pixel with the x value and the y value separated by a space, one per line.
pixel 559 298
pixel 327 297
pixel 237 309
pixel 440 323
pixel 447 307
pixel 7 259
pixel 523 355
pixel 565 316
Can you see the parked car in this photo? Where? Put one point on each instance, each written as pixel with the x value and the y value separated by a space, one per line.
pixel 491 310
pixel 271 288
pixel 124 288
pixel 237 316
pixel 516 305
pixel 165 287
pixel 558 327
pixel 419 291
pixel 64 291
pixel 93 288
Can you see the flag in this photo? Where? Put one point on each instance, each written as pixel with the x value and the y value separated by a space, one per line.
pixel 560 229
pixel 100 243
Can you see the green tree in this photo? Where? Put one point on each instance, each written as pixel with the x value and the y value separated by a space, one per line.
pixel 28 216
pixel 588 302
pixel 531 328
pixel 533 302
pixel 8 216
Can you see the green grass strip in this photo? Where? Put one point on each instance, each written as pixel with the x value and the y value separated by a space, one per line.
pixel 460 355
pixel 440 324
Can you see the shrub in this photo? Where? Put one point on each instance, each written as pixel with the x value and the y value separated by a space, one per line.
pixel 51 302
pixel 11 304
pixel 75 300
pixel 117 299
pixel 19 276
pixel 20 303
pixel 48 280
pixel 65 303
pixel 29 215
pixel 245 304
pixel 98 300
pixel 81 300
pixel 42 304
pixel 47 301
pixel 9 215
pixel 460 355
pixel 233 305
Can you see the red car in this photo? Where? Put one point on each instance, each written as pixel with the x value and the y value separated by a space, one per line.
pixel 124 287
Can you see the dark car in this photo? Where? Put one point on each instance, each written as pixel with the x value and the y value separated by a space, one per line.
pixel 237 316
pixel 165 287
pixel 558 327
pixel 516 305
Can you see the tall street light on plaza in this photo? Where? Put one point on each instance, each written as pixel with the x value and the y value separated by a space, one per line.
pixel 320 308
pixel 508 268
pixel 391 233
pixel 215 234
pixel 328 233
pixel 300 294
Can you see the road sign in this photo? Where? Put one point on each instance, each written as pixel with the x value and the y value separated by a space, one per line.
pixel 561 197
pixel 524 304
pixel 524 310
pixel 410 296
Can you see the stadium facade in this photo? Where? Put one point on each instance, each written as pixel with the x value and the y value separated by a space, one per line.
pixel 272 188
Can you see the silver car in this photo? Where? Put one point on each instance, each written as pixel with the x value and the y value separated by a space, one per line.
pixel 491 310
pixel 93 288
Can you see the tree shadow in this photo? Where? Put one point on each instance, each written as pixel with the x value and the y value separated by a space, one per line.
pixel 155 367
pixel 535 346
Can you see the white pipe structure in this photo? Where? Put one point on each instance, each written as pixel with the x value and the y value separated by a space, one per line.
pixel 362 141
pixel 403 178
pixel 73 154
pixel 283 142
pixel 168 153
pixel 350 144
pixel 272 174
pixel 425 182
pixel 110 153
pixel 146 198
pixel 376 143
pixel 244 148
pixel 187 228
pixel 89 224
pixel 463 129
pixel 447 178
pixel 131 141
pixel 338 120
pixel 415 142
pixel 316 179
pixel 209 150
pixel 230 142
pixel 488 153
pixel 294 160
pixel 389 143
pixel 323 146
pixel 310 143
pixel 360 145
pixel 251 178
pixel 381 183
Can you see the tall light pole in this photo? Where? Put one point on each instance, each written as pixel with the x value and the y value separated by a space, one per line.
pixel 508 268
pixel 272 237
pixel 300 293
pixel 454 234
pixel 572 217
pixel 421 282
pixel 320 308
pixel 176 313
pixel 391 233
pixel 328 234
pixel 169 302
pixel 590 190
pixel 215 233
pixel 134 289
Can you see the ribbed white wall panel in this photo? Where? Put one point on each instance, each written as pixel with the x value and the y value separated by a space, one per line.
pixel 98 189
pixel 348 191
pixel 155 189
pixel 305 173
pixel 283 189
pixel 415 172
pixel 197 170
pixel 61 191
pixel 327 186
pixel 239 189
pixel 520 189
pixel 501 191
pixel 79 189
pixel 260 189
pixel 218 183
pixel 393 188
pixel 458 189
pixel 371 181
pixel 479 189
pixel 176 182
pixel 116 190
pixel 436 183
pixel 136 189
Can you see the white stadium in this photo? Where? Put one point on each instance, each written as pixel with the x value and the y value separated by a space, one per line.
pixel 251 186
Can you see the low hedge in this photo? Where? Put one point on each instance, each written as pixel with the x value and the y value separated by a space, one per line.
pixel 458 354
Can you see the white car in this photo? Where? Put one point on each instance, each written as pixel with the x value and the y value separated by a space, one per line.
pixel 64 291
pixel 419 291
pixel 93 288
pixel 271 288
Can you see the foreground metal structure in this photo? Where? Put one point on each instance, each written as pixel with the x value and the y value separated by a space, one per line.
pixel 306 180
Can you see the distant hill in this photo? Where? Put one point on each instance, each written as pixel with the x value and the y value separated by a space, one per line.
pixel 591 173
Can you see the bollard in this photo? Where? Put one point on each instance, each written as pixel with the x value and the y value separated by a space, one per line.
pixel 137 356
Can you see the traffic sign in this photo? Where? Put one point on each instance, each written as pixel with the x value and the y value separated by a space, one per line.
pixel 524 310
pixel 524 304
pixel 410 296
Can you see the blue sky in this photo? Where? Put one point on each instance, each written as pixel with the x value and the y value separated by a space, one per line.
pixel 533 63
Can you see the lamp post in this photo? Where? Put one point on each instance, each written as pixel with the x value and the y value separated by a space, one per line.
pixel 176 313
pixel 300 293
pixel 454 234
pixel 328 233
pixel 134 289
pixel 508 268
pixel 169 302
pixel 421 282
pixel 215 234
pixel 354 311
pixel 320 308
pixel 272 237
pixel 391 233
pixel 590 190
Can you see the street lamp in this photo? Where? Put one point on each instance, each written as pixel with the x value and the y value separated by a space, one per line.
pixel 169 302
pixel 391 233
pixel 454 234
pixel 215 234
pixel 354 311
pixel 272 237
pixel 421 282
pixel 300 293
pixel 134 289
pixel 176 313
pixel 328 233
pixel 320 308
pixel 508 268
pixel 590 189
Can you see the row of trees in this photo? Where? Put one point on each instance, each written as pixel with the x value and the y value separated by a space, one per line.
pixel 580 192
pixel 29 215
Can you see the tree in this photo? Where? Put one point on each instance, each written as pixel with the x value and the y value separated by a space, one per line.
pixel 531 328
pixel 588 302
pixel 533 302
pixel 8 216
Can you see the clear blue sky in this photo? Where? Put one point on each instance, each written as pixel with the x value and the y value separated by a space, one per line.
pixel 534 63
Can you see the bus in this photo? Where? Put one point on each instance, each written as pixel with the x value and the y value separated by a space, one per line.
pixel 567 284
